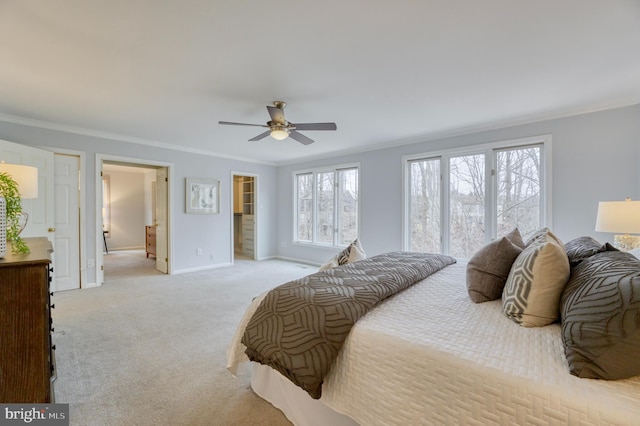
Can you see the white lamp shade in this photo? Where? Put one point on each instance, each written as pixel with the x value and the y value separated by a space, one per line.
pixel 619 217
pixel 25 176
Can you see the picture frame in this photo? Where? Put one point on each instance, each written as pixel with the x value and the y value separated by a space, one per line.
pixel 202 196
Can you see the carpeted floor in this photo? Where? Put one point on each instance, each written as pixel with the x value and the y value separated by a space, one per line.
pixel 149 349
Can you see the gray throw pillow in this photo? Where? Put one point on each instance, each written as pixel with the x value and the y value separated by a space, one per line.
pixel 489 267
pixel 600 311
pixel 582 248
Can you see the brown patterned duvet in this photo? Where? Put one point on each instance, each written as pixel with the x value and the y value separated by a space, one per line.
pixel 300 326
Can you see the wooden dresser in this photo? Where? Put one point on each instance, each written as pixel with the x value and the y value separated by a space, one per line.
pixel 26 354
pixel 150 240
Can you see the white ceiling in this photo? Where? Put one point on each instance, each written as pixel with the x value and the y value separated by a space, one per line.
pixel 164 72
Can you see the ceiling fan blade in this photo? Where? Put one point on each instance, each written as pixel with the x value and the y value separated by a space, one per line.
pixel 315 126
pixel 277 115
pixel 260 136
pixel 300 137
pixel 241 124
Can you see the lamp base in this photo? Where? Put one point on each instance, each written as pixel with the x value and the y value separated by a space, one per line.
pixel 626 242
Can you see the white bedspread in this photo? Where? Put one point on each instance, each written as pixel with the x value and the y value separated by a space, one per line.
pixel 430 356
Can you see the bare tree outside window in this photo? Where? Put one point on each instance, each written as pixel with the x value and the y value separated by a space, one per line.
pixel 325 187
pixel 466 204
pixel 517 195
pixel 327 204
pixel 304 207
pixel 347 206
pixel 518 192
pixel 424 206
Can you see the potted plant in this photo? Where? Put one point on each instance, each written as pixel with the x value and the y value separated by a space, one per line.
pixel 9 190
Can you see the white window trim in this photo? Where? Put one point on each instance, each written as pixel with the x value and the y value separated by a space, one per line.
pixel 314 170
pixel 546 176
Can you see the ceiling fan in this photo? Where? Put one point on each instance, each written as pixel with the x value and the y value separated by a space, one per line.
pixel 280 129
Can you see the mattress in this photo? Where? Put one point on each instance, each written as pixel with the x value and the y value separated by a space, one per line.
pixel 430 356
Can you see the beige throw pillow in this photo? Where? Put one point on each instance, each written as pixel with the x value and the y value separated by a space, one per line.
pixel 531 295
pixel 489 267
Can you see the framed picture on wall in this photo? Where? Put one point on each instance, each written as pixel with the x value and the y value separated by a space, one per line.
pixel 203 196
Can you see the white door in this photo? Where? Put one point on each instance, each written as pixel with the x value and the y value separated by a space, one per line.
pixel 67 221
pixel 162 220
pixel 40 210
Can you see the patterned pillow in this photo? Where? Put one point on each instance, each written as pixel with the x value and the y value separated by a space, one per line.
pixel 600 311
pixel 582 248
pixel 540 233
pixel 531 295
pixel 357 252
pixel 489 267
pixel 344 256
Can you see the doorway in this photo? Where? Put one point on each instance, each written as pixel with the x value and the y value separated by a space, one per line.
pixel 244 213
pixel 134 218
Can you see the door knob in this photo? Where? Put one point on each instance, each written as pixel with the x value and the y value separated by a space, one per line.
pixel 51 229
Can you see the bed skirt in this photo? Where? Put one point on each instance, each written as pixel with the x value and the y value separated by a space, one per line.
pixel 293 401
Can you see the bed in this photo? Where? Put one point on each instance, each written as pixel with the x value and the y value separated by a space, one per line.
pixel 429 355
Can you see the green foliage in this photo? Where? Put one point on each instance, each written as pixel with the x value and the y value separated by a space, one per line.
pixel 9 189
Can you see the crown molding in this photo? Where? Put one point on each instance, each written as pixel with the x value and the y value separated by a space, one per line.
pixel 120 138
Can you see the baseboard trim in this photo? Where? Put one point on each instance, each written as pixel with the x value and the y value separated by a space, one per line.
pixel 293 259
pixel 201 268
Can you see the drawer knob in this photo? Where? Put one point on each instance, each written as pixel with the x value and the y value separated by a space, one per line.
pixel 53 306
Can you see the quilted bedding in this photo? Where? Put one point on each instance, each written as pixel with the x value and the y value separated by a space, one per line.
pixel 428 355
pixel 299 327
pixel 431 356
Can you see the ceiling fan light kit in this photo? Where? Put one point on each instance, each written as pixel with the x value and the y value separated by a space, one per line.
pixel 280 129
pixel 279 132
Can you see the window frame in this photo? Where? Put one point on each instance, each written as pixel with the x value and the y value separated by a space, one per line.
pixel 336 193
pixel 545 143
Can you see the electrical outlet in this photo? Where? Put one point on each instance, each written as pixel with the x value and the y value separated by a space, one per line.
pixel 199 252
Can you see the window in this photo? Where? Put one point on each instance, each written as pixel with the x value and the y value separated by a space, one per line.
pixel 458 201
pixel 424 205
pixel 326 206
pixel 466 204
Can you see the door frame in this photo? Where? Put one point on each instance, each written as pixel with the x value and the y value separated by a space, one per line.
pixel 100 158
pixel 256 209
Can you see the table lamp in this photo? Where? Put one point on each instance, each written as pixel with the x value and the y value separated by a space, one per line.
pixel 620 217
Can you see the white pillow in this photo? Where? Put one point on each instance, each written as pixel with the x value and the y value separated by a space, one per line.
pixel 635 252
pixel 331 263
